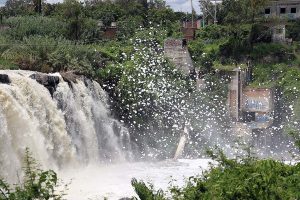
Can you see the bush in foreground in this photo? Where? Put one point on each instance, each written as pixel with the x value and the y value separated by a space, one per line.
pixel 36 184
pixel 246 178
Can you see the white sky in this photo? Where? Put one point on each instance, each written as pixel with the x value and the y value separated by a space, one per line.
pixel 177 5
pixel 184 5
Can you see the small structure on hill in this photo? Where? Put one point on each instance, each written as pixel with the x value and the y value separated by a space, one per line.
pixel 109 32
pixel 251 106
pixel 189 29
pixel 278 33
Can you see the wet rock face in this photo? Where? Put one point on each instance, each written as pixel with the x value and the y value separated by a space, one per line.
pixel 69 77
pixel 4 79
pixel 50 82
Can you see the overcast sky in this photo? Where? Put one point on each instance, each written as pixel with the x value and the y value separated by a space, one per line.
pixel 177 5
pixel 183 5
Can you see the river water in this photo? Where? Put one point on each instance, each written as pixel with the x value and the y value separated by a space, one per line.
pixel 114 181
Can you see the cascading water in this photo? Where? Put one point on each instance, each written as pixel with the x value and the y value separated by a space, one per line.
pixel 72 127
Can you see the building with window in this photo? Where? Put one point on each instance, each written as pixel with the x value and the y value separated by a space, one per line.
pixel 284 9
pixel 289 9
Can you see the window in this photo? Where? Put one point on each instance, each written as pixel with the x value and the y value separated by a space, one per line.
pixel 282 10
pixel 267 11
pixel 293 10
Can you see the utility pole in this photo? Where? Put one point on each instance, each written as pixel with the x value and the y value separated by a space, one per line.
pixel 192 13
pixel 215 16
pixel 205 6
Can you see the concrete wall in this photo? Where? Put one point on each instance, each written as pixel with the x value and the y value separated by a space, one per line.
pixel 278 33
pixel 257 100
pixel 252 106
pixel 178 53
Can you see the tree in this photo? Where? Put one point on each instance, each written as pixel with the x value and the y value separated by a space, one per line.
pixel 18 7
pixel 23 7
pixel 71 12
pixel 237 11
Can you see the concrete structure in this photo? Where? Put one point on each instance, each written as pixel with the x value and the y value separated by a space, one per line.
pixel 176 50
pixel 252 106
pixel 257 107
pixel 189 29
pixel 278 33
pixel 289 9
pixel 109 32
pixel 284 9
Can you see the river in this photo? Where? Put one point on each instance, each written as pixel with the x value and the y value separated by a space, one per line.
pixel 114 181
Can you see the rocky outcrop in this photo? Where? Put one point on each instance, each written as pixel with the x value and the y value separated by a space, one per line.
pixel 4 79
pixel 49 81
pixel 70 77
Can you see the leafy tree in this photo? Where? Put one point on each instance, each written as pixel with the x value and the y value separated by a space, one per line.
pixel 71 11
pixel 23 7
pixel 239 11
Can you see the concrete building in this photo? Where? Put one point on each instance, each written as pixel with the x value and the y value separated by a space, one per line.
pixel 289 9
pixel 253 107
pixel 283 9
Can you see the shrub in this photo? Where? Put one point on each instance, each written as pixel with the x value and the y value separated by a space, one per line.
pixel 146 193
pixel 278 52
pixel 25 26
pixel 47 54
pixel 213 32
pixel 293 30
pixel 36 184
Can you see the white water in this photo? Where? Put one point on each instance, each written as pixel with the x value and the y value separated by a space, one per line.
pixel 74 127
pixel 114 181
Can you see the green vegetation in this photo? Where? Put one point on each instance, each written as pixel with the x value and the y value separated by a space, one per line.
pixel 35 184
pixel 240 178
pixel 244 36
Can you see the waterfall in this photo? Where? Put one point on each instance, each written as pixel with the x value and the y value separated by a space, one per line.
pixel 71 126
